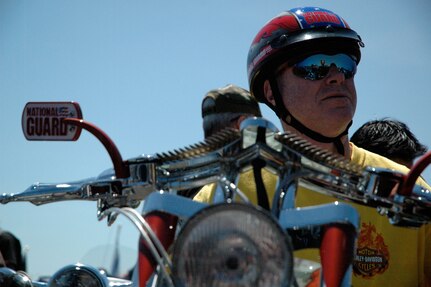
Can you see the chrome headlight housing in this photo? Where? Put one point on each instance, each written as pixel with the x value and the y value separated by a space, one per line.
pixel 232 245
pixel 78 275
pixel 11 278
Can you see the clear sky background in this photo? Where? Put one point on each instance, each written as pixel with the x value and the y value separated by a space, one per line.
pixel 139 70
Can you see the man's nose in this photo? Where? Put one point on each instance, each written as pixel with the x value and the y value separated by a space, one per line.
pixel 335 76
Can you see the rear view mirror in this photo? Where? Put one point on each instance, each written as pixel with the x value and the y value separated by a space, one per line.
pixel 43 121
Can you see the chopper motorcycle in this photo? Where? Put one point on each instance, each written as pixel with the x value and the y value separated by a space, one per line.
pixel 229 240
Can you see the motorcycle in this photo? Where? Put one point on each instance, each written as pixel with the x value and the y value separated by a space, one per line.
pixel 228 240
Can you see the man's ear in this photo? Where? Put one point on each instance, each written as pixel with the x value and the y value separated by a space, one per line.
pixel 239 120
pixel 267 92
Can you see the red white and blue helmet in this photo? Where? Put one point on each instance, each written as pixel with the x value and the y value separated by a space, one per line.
pixel 294 34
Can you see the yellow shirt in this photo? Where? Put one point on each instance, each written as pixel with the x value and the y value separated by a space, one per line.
pixel 386 255
pixel 405 253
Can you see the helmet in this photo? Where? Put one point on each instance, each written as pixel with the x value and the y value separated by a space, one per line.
pixel 230 98
pixel 292 36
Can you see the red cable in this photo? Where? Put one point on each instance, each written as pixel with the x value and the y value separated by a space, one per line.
pixel 410 179
pixel 121 170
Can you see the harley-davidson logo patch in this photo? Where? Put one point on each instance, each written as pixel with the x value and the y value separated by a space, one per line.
pixel 372 254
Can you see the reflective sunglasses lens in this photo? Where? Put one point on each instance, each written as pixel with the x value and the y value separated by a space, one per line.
pixel 317 67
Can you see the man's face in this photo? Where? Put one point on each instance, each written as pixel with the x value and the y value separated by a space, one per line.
pixel 325 106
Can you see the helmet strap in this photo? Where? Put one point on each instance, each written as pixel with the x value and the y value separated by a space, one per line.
pixel 283 113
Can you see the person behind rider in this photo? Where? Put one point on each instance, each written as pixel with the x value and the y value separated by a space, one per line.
pixel 222 108
pixel 11 252
pixel 227 107
pixel 390 138
pixel 302 64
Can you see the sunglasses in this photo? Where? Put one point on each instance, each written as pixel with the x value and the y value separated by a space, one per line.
pixel 317 67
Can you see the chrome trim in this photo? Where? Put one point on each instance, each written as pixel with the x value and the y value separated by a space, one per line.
pixel 305 217
pixel 221 160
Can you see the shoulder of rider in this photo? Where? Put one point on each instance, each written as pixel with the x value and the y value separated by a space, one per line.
pixel 364 158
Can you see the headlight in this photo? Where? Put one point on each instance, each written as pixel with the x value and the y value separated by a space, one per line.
pixel 78 275
pixel 232 245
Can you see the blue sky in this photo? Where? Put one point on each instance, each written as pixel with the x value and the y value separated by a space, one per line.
pixel 139 70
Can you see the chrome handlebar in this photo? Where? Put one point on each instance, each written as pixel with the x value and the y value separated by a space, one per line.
pixel 229 153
